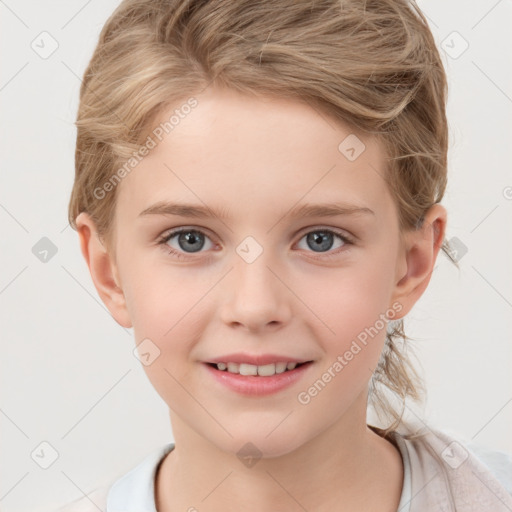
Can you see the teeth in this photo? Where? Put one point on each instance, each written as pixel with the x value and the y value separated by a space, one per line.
pixel 248 369
pixel 280 367
pixel 265 370
pixel 233 367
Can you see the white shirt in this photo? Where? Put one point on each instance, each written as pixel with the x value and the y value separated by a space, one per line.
pixel 441 473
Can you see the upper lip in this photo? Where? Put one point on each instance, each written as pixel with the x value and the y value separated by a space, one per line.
pixel 257 359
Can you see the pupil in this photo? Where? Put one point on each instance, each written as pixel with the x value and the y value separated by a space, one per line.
pixel 190 237
pixel 319 240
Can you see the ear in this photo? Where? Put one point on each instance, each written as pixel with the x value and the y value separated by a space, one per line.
pixel 417 258
pixel 103 269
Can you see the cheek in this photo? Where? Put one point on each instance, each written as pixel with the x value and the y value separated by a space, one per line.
pixel 352 334
pixel 158 295
pixel 349 300
pixel 352 305
pixel 168 317
pixel 166 309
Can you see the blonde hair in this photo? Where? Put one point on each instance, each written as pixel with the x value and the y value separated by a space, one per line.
pixel 373 65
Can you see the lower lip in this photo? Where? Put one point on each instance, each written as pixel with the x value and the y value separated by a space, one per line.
pixel 256 385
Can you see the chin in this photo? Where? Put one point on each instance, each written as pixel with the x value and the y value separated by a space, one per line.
pixel 253 444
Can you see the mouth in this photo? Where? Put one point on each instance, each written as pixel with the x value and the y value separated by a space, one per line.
pixel 257 380
pixel 266 370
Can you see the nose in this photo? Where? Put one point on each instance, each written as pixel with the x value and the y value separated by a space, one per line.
pixel 256 296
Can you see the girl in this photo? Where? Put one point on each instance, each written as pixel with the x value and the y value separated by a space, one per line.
pixel 302 147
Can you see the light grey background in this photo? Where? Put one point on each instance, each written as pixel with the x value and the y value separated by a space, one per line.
pixel 68 374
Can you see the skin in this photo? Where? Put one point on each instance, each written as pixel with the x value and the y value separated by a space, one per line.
pixel 257 158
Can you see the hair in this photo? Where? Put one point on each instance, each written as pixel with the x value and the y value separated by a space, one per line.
pixel 372 65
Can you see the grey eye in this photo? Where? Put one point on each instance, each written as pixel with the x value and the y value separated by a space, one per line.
pixel 322 240
pixel 189 240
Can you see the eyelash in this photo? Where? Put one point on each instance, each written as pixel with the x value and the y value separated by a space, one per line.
pixel 348 241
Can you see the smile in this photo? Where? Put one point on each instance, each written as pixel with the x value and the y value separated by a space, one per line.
pixel 266 370
pixel 257 380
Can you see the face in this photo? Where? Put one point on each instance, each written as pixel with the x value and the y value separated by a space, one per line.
pixel 253 275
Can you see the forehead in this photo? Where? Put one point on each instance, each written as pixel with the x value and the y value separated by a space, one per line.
pixel 249 153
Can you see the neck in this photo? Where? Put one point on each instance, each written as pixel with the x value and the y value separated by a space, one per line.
pixel 346 467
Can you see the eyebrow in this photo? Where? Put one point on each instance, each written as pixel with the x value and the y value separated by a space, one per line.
pixel 302 211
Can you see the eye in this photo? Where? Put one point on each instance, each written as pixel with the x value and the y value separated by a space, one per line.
pixel 321 240
pixel 188 240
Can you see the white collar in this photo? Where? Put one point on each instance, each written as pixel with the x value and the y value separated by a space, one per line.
pixel 135 491
pixel 406 496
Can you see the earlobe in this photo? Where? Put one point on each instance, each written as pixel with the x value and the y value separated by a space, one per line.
pixel 102 269
pixel 421 248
